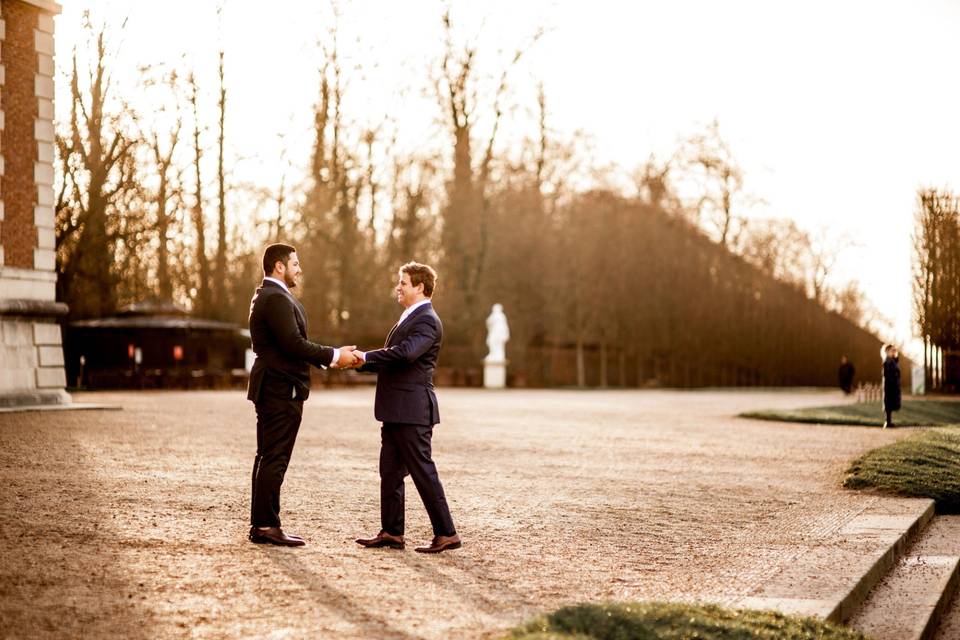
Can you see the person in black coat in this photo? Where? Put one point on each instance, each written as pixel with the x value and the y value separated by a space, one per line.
pixel 845 375
pixel 406 404
pixel 279 383
pixel 891 382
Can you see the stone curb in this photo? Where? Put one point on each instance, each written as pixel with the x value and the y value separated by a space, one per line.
pixel 916 596
pixel 61 407
pixel 943 602
pixel 856 596
pixel 896 532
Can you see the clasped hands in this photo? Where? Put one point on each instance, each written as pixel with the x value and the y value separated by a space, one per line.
pixel 350 358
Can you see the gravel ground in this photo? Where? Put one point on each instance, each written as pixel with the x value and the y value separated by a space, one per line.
pixel 132 523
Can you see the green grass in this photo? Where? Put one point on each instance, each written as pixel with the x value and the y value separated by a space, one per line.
pixel 924 464
pixel 913 413
pixel 668 621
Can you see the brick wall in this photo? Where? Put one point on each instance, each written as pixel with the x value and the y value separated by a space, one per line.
pixel 31 355
pixel 18 101
pixel 3 33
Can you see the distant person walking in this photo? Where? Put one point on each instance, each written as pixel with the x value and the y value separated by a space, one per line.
pixel 891 382
pixel 845 375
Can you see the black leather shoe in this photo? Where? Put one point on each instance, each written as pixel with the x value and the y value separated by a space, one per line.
pixel 274 535
pixel 382 539
pixel 441 543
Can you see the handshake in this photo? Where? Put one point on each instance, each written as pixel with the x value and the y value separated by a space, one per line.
pixel 349 358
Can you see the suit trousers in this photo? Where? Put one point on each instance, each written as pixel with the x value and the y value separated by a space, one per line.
pixel 278 421
pixel 405 448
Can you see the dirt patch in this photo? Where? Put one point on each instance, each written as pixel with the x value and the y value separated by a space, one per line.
pixel 133 523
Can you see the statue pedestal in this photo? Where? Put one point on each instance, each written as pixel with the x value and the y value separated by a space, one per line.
pixel 494 374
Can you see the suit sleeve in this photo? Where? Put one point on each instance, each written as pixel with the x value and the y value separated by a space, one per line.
pixel 282 321
pixel 423 336
pixel 368 367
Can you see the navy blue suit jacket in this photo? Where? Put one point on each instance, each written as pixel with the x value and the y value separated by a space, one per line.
pixel 404 369
pixel 278 331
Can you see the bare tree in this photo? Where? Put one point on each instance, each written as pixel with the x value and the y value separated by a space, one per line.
pixel 851 303
pixel 220 261
pixel 653 182
pixel 340 241
pixel 466 216
pixel 718 180
pixel 281 195
pixel 936 286
pixel 96 154
pixel 824 249
pixel 202 304
pixel 807 259
pixel 411 224
pixel 162 136
pixel 778 247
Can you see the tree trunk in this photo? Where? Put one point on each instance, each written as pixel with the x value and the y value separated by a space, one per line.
pixel 164 286
pixel 220 265
pixel 603 364
pixel 202 300
pixel 581 369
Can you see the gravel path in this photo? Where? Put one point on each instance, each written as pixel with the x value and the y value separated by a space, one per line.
pixel 132 523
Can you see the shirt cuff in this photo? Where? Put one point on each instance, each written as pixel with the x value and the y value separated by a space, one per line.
pixel 336 356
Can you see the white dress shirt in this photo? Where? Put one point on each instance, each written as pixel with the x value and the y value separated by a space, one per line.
pixel 336 352
pixel 279 282
pixel 406 312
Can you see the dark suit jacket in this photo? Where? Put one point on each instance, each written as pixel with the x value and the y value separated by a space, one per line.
pixel 404 368
pixel 278 331
pixel 891 384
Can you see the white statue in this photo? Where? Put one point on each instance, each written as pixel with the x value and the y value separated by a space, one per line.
pixel 497 334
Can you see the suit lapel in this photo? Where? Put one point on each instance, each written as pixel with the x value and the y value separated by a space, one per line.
pixel 301 313
pixel 390 335
pixel 301 316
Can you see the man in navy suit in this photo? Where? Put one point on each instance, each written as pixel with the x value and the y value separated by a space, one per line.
pixel 279 383
pixel 406 404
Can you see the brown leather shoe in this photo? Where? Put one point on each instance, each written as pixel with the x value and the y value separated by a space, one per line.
pixel 441 543
pixel 274 535
pixel 382 539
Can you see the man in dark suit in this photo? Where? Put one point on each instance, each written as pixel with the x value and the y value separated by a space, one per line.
pixel 279 383
pixel 406 404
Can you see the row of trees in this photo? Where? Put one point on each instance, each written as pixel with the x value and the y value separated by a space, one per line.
pixel 132 217
pixel 666 282
pixel 936 286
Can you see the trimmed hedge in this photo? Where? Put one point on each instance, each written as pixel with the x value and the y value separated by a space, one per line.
pixel 923 465
pixel 869 414
pixel 673 621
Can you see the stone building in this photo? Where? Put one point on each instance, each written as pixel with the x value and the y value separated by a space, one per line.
pixel 31 355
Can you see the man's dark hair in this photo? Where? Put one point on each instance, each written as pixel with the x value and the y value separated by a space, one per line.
pixel 421 274
pixel 276 253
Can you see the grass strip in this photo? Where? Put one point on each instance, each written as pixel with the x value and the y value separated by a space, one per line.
pixel 924 465
pixel 869 414
pixel 674 621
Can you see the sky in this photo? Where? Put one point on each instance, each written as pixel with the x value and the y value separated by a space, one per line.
pixel 837 112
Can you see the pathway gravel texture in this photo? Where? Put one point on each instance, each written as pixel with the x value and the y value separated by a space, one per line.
pixel 133 523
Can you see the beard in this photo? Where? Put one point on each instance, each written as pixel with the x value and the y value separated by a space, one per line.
pixel 289 280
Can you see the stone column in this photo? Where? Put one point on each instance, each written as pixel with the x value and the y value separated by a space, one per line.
pixel 31 355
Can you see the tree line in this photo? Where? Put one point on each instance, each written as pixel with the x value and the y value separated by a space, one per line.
pixel 661 281
pixel 936 286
